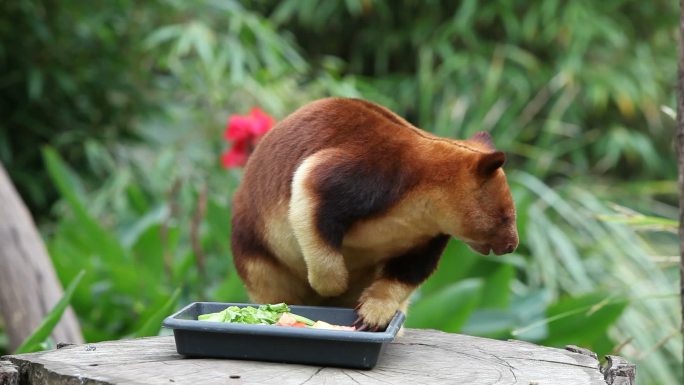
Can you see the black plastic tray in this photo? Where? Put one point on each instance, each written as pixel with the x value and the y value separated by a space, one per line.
pixel 279 343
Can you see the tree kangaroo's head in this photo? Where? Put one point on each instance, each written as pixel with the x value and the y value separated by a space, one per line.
pixel 475 203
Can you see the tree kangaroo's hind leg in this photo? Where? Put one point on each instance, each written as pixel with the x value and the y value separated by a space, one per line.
pixel 267 280
pixel 331 190
pixel 327 273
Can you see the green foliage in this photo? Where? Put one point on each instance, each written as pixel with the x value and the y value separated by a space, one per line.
pixel 4 342
pixel 571 324
pixel 152 322
pixel 484 306
pixel 138 273
pixel 572 91
pixel 69 71
pixel 32 342
pixel 448 308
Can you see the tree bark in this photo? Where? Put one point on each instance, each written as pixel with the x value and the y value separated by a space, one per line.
pixel 9 375
pixel 29 287
pixel 418 357
pixel 680 154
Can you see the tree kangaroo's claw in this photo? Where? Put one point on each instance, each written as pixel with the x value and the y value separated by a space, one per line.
pixel 361 325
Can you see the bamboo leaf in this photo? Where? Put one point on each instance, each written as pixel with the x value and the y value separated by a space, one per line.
pixel 496 289
pixel 447 309
pixel 641 220
pixel 153 324
pixel 99 241
pixel 32 343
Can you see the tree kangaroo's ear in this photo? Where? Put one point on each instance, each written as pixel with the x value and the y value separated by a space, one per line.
pixel 483 137
pixel 490 162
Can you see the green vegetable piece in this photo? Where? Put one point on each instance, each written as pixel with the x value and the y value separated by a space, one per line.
pixel 277 308
pixel 232 314
pixel 264 315
pixel 213 317
pixel 249 315
pixel 305 320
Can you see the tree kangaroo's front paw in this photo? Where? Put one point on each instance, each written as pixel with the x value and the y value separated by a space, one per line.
pixel 329 282
pixel 375 314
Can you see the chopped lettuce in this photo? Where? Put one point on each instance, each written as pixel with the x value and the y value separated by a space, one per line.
pixel 264 315
pixel 278 314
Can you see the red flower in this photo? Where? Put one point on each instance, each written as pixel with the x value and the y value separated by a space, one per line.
pixel 244 131
pixel 235 157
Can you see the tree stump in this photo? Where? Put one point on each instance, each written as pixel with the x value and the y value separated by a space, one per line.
pixel 9 375
pixel 418 357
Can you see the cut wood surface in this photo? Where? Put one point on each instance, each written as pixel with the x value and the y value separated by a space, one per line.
pixel 28 283
pixel 9 375
pixel 418 357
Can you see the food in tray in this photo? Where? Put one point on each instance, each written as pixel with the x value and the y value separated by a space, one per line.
pixel 277 314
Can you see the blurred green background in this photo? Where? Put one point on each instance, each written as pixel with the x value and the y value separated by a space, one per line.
pixel 113 116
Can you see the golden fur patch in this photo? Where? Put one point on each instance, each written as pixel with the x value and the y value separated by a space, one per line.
pixel 327 273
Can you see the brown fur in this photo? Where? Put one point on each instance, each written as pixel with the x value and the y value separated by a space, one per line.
pixel 346 203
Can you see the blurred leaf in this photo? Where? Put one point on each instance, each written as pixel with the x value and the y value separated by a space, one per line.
pixel 162 35
pixel 137 198
pixel 231 289
pixel 530 309
pixel 641 220
pixel 32 342
pixel 35 84
pixel 497 288
pixel 219 221
pixel 142 225
pixel 491 323
pixel 99 240
pixel 580 320
pixel 455 264
pixel 149 252
pixel 183 270
pixel 4 342
pixel 153 323
pixel 447 309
